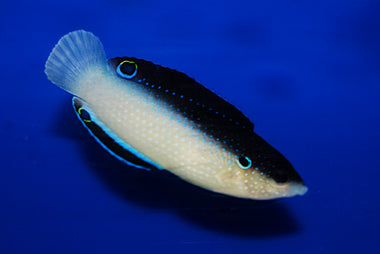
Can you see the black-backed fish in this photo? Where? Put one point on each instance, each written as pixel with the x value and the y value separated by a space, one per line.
pixel 154 117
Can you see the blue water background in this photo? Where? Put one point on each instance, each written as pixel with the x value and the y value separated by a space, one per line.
pixel 306 72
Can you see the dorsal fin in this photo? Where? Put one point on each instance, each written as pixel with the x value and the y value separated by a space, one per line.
pixel 188 95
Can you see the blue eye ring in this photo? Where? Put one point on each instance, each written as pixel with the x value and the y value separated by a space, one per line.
pixel 126 75
pixel 244 162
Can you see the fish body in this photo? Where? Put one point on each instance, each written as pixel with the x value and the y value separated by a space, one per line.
pixel 154 117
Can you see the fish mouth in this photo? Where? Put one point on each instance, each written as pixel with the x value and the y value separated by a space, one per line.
pixel 296 189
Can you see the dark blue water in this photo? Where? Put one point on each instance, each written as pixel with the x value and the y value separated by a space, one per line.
pixel 306 72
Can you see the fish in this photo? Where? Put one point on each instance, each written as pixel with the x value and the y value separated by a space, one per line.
pixel 156 118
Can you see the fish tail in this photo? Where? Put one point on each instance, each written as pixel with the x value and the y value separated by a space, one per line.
pixel 75 55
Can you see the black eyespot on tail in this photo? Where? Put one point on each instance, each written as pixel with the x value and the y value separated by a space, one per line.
pixel 127 69
pixel 84 115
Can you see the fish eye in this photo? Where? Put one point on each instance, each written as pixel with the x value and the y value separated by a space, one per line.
pixel 127 69
pixel 280 176
pixel 244 162
pixel 84 115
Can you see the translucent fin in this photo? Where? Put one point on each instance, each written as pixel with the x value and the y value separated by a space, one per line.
pixel 75 54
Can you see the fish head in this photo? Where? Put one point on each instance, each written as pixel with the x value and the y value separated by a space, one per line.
pixel 264 173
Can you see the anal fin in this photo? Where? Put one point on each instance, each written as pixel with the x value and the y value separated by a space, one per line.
pixel 109 143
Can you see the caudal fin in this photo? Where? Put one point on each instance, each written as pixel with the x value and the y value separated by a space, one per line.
pixel 75 54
